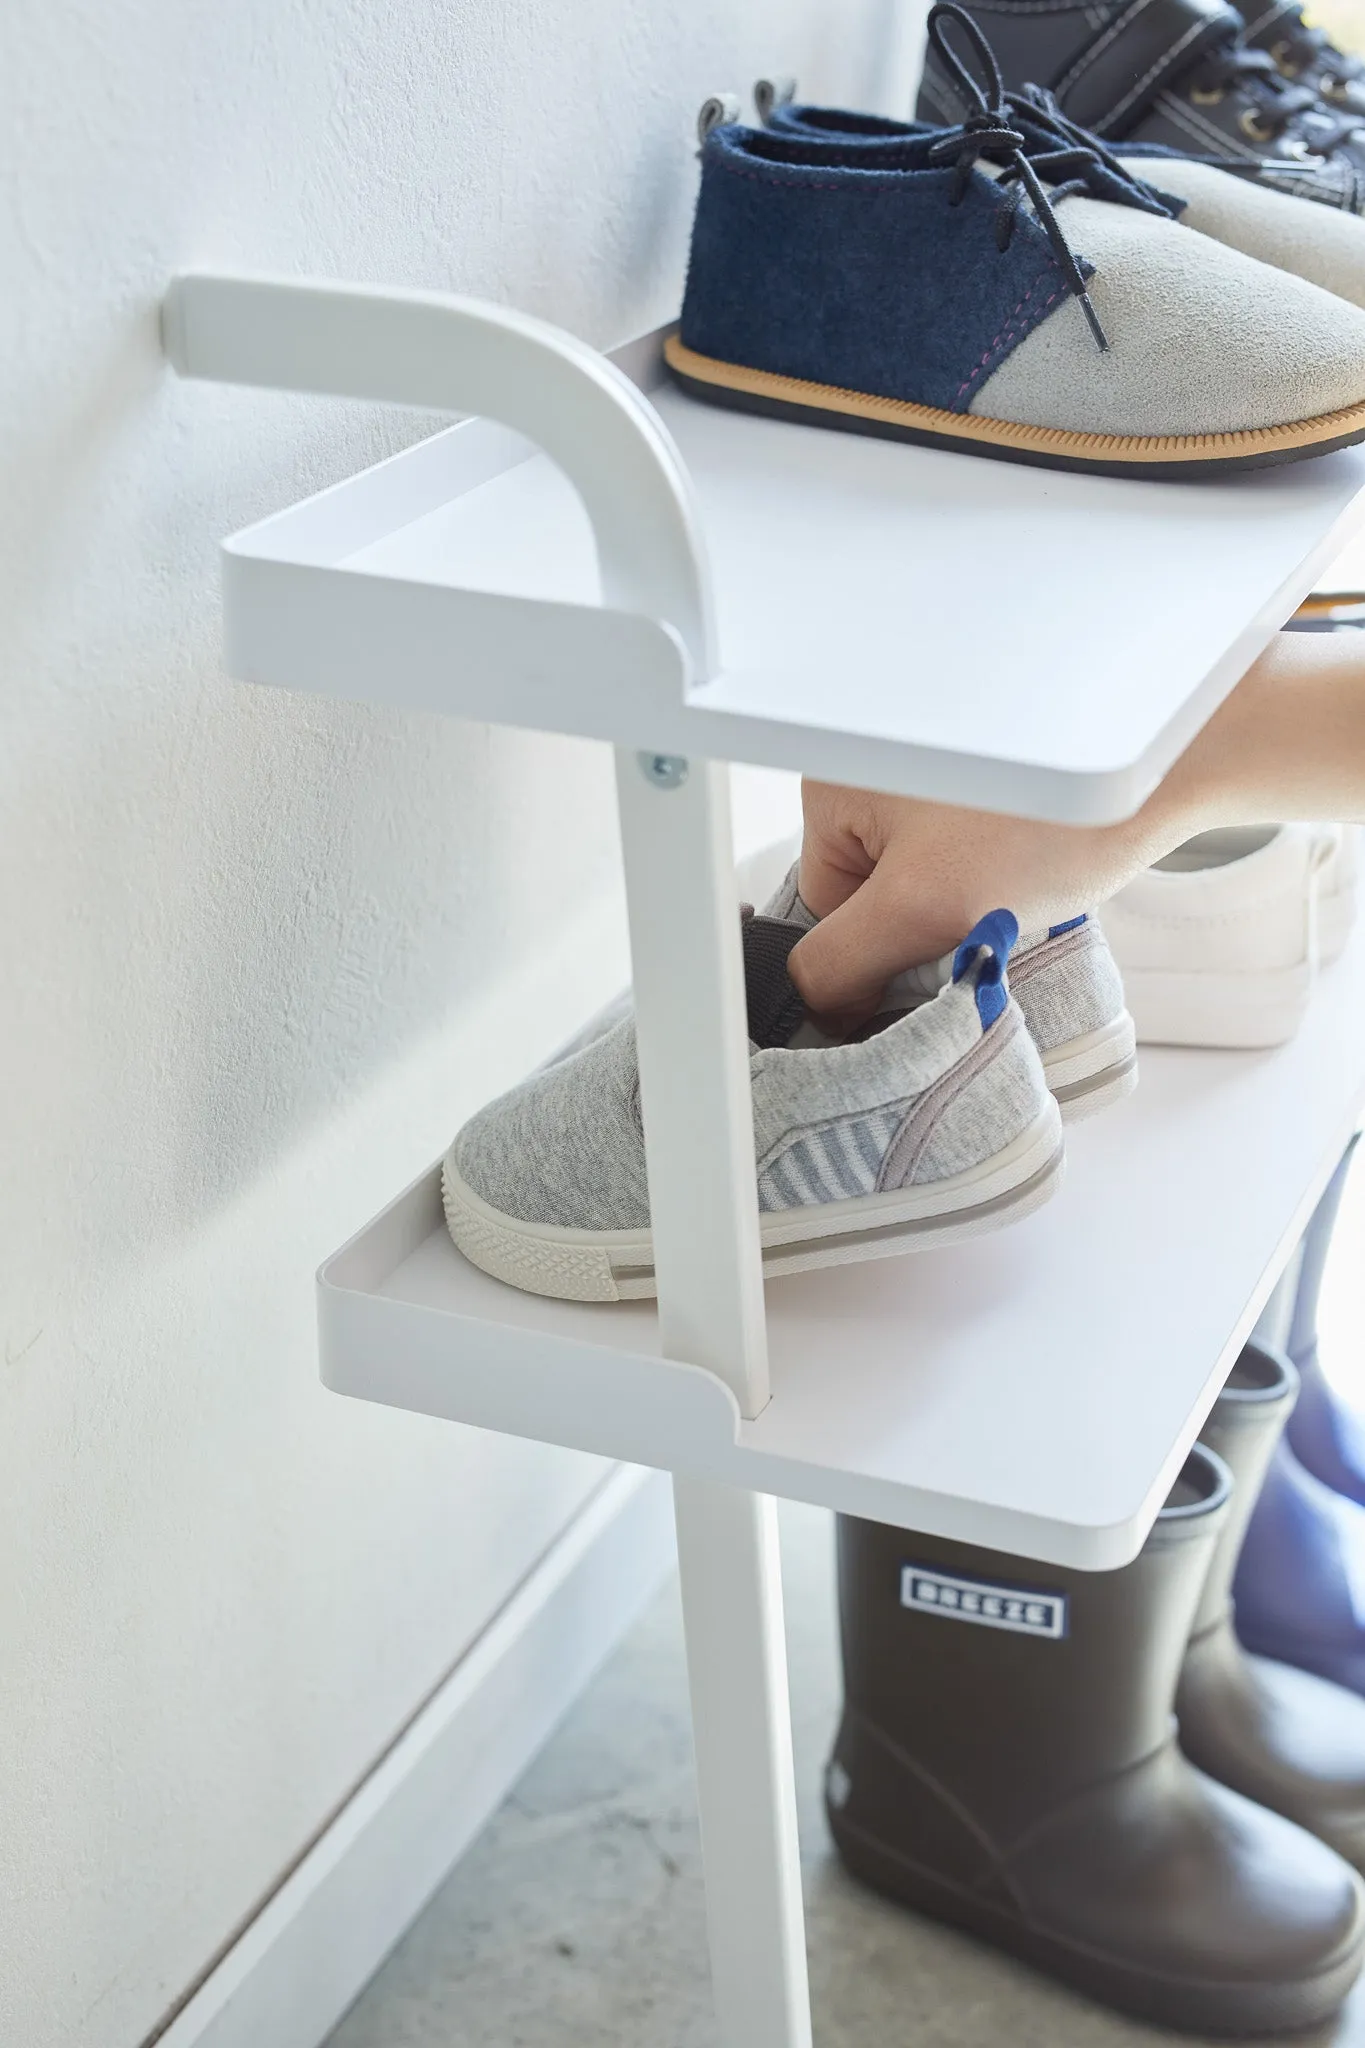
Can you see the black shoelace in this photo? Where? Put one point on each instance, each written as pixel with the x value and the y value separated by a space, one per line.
pixel 1070 161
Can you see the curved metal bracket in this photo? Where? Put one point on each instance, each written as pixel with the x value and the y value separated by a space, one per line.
pixel 449 354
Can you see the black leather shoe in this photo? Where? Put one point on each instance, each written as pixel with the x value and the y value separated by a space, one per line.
pixel 1007 1762
pixel 1308 56
pixel 1177 73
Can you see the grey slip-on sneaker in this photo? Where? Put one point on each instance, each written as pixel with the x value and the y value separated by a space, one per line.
pixel 1070 994
pixel 927 1131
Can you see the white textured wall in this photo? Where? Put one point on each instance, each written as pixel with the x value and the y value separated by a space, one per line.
pixel 261 956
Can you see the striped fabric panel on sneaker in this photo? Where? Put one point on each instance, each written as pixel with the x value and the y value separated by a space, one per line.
pixel 831 1163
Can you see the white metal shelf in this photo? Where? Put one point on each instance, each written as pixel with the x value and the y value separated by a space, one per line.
pixel 895 617
pixel 690 582
pixel 1034 1390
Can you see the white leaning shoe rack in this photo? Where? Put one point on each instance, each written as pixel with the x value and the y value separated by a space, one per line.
pixel 595 554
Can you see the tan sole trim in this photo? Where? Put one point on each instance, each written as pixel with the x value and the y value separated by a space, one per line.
pixel 1061 443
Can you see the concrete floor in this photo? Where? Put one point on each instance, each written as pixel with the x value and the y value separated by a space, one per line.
pixel 576 1919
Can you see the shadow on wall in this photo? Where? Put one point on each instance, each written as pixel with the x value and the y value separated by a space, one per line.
pixel 235 908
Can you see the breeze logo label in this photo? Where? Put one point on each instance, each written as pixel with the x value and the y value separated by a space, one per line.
pixel 1012 1607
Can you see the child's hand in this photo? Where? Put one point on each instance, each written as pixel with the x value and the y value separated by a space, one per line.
pixel 897 881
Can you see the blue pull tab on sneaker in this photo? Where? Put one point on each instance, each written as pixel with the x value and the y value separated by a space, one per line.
pixel 987 948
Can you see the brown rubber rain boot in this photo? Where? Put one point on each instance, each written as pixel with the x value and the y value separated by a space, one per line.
pixel 1285 1738
pixel 1007 1762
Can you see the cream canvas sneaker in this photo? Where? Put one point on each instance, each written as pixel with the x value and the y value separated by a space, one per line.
pixel 932 1128
pixel 1220 943
pixel 1337 894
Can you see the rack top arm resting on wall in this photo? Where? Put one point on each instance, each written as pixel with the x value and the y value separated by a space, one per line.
pixel 450 354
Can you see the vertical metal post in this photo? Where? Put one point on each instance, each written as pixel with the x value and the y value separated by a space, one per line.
pixel 698 1120
pixel 741 1723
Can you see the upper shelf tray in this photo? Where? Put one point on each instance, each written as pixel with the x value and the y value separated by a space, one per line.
pixel 1033 1391
pixel 981 632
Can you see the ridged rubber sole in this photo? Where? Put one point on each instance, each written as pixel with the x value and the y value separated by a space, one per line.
pixel 1090 1072
pixel 618 1265
pixel 896 419
pixel 1188 2005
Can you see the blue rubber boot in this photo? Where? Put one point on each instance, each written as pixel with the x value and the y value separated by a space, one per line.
pixel 1286 1738
pixel 1299 1593
pixel 1326 1436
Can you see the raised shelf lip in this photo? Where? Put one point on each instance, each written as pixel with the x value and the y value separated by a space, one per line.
pixel 301 614
pixel 1002 1427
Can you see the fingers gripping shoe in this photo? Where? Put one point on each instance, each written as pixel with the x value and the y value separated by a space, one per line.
pixel 928 1131
pixel 1067 985
pixel 1069 993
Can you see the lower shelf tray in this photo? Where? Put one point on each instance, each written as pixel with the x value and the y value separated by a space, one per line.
pixel 1034 1391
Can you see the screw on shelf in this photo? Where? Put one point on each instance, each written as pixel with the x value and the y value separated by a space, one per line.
pixel 665 771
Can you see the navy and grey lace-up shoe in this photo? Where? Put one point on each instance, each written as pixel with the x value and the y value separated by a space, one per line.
pixel 1179 73
pixel 961 293
pixel 1232 203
